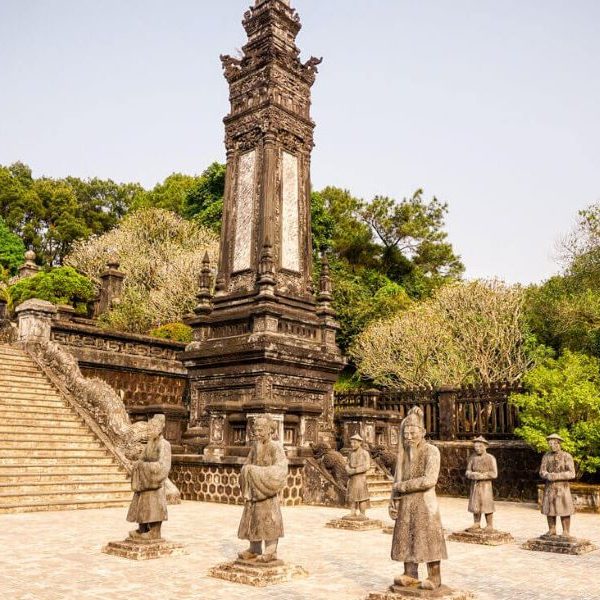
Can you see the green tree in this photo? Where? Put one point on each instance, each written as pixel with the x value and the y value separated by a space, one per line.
pixel 59 285
pixel 204 201
pixel 12 249
pixel 170 195
pixel 413 238
pixel 49 214
pixel 563 396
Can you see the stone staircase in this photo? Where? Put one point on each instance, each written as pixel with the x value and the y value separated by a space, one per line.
pixel 49 458
pixel 379 486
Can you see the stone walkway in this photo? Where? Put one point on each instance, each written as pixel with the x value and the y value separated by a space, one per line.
pixel 56 556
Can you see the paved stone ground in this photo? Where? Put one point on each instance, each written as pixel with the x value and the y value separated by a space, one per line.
pixel 56 556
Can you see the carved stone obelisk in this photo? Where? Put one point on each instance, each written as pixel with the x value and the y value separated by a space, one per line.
pixel 264 343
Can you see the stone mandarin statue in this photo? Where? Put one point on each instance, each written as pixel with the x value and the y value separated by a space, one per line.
pixel 261 479
pixel 359 462
pixel 149 504
pixel 418 535
pixel 481 470
pixel 557 469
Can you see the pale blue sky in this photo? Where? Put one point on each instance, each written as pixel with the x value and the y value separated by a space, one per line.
pixel 491 105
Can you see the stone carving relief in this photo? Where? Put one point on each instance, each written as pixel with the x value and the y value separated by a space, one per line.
pixel 290 251
pixel 244 203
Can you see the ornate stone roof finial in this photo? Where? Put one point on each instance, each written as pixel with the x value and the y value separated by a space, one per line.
pixel 204 295
pixel 324 296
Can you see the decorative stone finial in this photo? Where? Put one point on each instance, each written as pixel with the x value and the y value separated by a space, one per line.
pixel 204 295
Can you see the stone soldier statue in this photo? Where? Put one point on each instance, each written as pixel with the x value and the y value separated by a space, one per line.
pixel 557 469
pixel 149 504
pixel 262 478
pixel 418 535
pixel 359 462
pixel 481 470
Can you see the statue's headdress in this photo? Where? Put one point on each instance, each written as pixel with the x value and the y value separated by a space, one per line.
pixel 414 417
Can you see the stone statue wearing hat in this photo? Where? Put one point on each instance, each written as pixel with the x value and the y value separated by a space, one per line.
pixel 557 470
pixel 481 471
pixel 359 461
pixel 418 535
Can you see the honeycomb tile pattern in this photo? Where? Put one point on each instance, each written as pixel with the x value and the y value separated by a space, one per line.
pixel 220 483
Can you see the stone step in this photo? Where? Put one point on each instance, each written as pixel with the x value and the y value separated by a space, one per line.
pixel 11 378
pixel 26 425
pixel 41 428
pixel 94 495
pixel 23 394
pixel 66 436
pixel 42 461
pixel 87 442
pixel 111 475
pixel 18 368
pixel 43 414
pixel 71 487
pixel 61 469
pixel 379 501
pixel 16 403
pixel 65 505
pixel 25 391
pixel 383 486
pixel 56 453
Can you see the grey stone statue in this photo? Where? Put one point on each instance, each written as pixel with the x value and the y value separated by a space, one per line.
pixel 481 471
pixel 557 470
pixel 149 475
pixel 262 478
pixel 418 535
pixel 359 462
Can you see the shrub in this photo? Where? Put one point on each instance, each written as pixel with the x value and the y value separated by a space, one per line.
pixel 178 332
pixel 60 285
pixel 563 396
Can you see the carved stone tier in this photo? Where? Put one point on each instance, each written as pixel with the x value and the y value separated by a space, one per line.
pixel 355 524
pixel 258 574
pixel 481 536
pixel 264 343
pixel 559 544
pixel 396 592
pixel 144 549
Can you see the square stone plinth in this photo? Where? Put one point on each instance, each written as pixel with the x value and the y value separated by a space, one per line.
pixel 143 549
pixel 396 592
pixel 258 574
pixel 481 536
pixel 559 544
pixel 356 524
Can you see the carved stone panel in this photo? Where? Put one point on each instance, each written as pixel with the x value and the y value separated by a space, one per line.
pixel 290 250
pixel 244 209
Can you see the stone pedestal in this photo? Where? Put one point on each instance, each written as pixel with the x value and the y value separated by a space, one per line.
pixel 396 592
pixel 388 528
pixel 144 549
pixel 482 536
pixel 559 544
pixel 250 572
pixel 355 523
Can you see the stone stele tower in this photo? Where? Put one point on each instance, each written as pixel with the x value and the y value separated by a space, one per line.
pixel 264 342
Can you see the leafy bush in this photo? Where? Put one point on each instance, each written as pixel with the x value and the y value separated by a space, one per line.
pixel 563 396
pixel 60 285
pixel 178 332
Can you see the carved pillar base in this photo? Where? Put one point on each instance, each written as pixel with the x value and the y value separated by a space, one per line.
pixel 257 574
pixel 144 549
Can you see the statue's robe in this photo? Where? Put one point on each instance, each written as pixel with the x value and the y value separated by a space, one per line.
pixel 359 462
pixel 481 498
pixel 557 469
pixel 418 534
pixel 149 503
pixel 262 478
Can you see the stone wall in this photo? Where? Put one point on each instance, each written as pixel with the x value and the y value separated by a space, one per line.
pixel 218 481
pixel 518 466
pixel 144 371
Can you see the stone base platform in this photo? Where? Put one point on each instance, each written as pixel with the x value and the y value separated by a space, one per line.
pixel 559 544
pixel 388 529
pixel 481 536
pixel 355 524
pixel 397 592
pixel 144 549
pixel 250 572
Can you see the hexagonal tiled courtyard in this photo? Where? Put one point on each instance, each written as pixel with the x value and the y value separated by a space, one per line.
pixel 56 556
